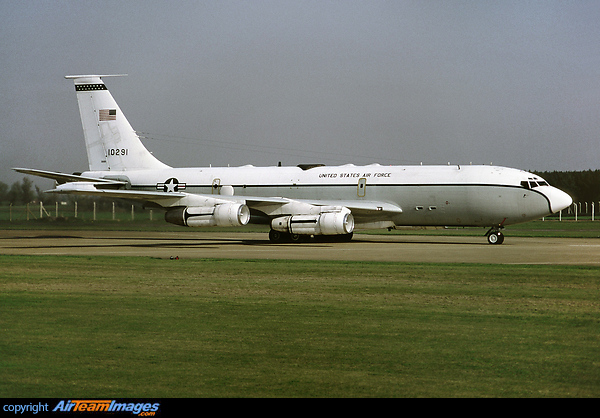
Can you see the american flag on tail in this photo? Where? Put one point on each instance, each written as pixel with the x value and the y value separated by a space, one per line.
pixel 107 114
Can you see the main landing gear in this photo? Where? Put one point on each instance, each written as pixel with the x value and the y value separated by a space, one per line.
pixel 494 236
pixel 278 237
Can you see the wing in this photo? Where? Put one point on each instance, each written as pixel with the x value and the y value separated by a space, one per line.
pixel 368 213
pixel 371 212
pixel 99 189
pixel 269 205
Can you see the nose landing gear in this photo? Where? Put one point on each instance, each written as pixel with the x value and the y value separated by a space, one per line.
pixel 494 236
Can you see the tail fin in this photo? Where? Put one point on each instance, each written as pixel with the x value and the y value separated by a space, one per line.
pixel 111 142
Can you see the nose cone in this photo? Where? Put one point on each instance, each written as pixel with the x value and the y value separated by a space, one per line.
pixel 559 200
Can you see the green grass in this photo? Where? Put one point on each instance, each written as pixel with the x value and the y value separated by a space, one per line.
pixel 140 327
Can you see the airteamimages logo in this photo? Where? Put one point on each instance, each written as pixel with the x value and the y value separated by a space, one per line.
pixel 142 409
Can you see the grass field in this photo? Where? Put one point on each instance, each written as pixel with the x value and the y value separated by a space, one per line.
pixel 140 327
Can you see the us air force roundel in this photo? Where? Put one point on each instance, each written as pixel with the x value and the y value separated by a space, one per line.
pixel 171 185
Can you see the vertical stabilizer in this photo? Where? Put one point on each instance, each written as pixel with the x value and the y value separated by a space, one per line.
pixel 111 142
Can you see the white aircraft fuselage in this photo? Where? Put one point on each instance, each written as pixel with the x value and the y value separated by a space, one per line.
pixel 428 195
pixel 297 201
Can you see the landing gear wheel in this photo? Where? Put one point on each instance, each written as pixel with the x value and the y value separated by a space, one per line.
pixel 296 237
pixel 276 236
pixel 495 237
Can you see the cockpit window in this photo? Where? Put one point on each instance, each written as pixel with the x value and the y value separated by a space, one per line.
pixel 531 184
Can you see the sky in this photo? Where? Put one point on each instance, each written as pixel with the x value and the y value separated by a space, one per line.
pixel 511 83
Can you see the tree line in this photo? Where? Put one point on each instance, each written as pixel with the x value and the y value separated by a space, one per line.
pixel 20 192
pixel 583 186
pixel 25 191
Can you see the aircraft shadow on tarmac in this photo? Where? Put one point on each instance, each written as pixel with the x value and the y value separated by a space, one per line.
pixel 189 242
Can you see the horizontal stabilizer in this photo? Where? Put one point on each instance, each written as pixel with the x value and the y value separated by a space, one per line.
pixel 75 77
pixel 63 177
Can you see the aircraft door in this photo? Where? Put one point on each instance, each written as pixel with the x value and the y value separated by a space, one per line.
pixel 216 186
pixel 362 187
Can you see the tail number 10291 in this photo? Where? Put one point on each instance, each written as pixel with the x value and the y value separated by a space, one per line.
pixel 117 151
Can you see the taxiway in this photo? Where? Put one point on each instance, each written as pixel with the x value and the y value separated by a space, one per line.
pixel 394 248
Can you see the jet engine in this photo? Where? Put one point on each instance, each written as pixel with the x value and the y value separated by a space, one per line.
pixel 225 214
pixel 338 221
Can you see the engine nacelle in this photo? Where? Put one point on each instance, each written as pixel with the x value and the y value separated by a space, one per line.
pixel 225 214
pixel 336 222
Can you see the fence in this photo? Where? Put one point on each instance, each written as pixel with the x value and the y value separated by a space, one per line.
pixel 68 210
pixel 585 210
pixel 577 211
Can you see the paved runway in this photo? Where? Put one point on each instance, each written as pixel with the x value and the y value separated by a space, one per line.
pixel 579 251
